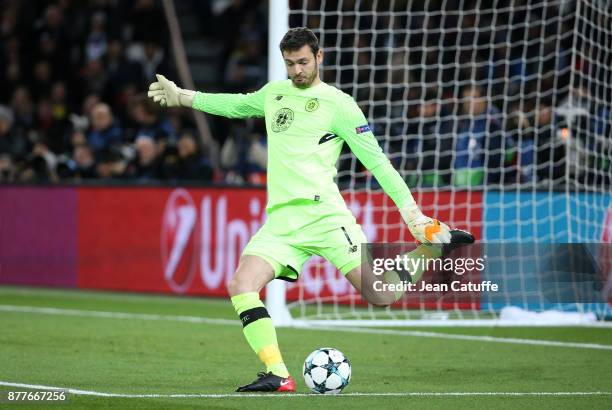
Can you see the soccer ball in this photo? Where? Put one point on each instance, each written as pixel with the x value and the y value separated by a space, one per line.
pixel 327 371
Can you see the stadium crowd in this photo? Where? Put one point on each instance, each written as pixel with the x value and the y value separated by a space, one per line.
pixel 73 76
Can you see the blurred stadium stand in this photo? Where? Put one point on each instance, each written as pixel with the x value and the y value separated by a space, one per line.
pixel 73 77
pixel 72 108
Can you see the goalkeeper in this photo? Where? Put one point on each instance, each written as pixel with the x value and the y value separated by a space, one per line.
pixel 307 123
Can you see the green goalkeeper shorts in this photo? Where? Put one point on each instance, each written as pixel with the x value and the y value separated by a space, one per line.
pixel 294 232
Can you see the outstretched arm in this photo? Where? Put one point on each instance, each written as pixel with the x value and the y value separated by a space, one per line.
pixel 350 124
pixel 167 93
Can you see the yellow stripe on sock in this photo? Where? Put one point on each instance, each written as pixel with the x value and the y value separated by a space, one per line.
pixel 270 355
pixel 272 358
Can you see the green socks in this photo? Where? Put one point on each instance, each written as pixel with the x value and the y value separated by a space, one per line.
pixel 259 331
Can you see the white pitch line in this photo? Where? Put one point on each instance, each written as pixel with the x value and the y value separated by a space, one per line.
pixel 116 315
pixel 290 395
pixel 491 339
pixel 228 322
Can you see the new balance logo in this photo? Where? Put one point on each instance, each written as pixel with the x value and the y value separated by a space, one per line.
pixel 245 319
pixel 353 249
pixel 327 137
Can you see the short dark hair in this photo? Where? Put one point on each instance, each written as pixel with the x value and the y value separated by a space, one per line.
pixel 297 38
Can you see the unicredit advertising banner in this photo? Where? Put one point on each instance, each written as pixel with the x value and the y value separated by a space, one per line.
pixel 172 240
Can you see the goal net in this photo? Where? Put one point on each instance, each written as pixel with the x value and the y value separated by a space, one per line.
pixel 498 115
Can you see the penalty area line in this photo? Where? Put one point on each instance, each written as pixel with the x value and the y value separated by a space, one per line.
pixel 476 338
pixel 365 330
pixel 290 395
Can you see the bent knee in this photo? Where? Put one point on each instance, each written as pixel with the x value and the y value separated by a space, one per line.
pixel 234 287
pixel 238 287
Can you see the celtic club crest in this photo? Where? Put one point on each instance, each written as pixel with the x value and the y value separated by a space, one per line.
pixel 282 119
pixel 312 105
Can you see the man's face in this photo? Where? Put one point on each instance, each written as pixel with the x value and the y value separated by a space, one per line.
pixel 101 117
pixel 428 109
pixel 186 147
pixel 83 156
pixel 303 66
pixel 474 103
pixel 147 150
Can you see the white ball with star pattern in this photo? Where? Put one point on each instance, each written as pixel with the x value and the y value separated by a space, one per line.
pixel 327 371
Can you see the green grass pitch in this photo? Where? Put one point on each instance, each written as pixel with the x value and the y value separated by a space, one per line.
pixel 160 353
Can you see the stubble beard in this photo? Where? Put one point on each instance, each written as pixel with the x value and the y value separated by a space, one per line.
pixel 309 79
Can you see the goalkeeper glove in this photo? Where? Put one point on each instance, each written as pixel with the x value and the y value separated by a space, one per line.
pixel 166 93
pixel 423 228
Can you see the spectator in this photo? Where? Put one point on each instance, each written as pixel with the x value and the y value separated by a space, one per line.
pixel 52 130
pixel 96 45
pixel 150 57
pixel 65 168
pixel 234 14
pixel 146 166
pixel 40 165
pixel 23 109
pixel 247 66
pixel 586 134
pixel 148 120
pixel 169 164
pixel 7 169
pixel 41 149
pixel 434 141
pixel 122 74
pixel 481 146
pixel 85 164
pixel 111 165
pixel 13 69
pixel 59 101
pixel 8 25
pixel 244 155
pixel 43 79
pixel 105 132
pixel 52 38
pixel 550 148
pixel 575 105
pixel 88 103
pixel 11 142
pixel 94 77
pixel 78 137
pixel 36 170
pixel 193 165
pixel 522 126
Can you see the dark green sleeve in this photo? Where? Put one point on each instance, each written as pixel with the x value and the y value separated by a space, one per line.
pixel 232 105
pixel 351 125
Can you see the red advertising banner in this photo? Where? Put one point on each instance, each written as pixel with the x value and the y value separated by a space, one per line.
pixel 189 241
pixel 164 240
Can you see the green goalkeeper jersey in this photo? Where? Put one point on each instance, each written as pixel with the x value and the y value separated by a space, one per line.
pixel 306 130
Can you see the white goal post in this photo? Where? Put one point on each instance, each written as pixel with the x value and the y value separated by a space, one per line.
pixel 498 114
pixel 278 24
